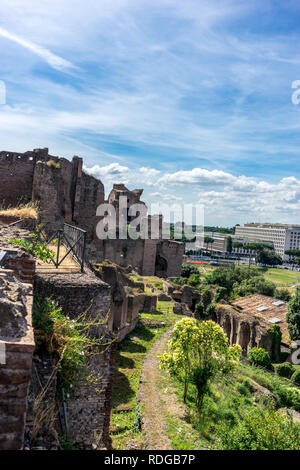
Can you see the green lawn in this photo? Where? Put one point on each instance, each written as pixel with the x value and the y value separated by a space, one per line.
pixel 281 277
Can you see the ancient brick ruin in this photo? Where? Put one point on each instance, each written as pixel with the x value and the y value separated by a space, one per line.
pixel 62 189
pixel 65 193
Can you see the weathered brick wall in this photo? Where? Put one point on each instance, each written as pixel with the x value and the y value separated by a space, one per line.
pixel 125 252
pixel 16 172
pixel 16 339
pixel 64 192
pixel 88 410
pixel 173 252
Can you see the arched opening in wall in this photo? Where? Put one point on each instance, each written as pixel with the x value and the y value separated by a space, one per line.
pixel 244 337
pixel 227 327
pixel 161 266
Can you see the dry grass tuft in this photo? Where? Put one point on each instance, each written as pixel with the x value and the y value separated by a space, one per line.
pixel 23 211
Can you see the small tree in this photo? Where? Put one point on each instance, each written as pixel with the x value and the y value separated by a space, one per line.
pixel 229 244
pixel 293 316
pixel 178 359
pixel 208 240
pixel 199 351
pixel 206 297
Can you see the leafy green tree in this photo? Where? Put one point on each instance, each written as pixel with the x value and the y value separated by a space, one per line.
pixel 292 252
pixel 260 357
pixel 208 240
pixel 268 257
pixel 221 293
pixel 229 244
pixel 293 315
pixel 237 244
pixel 180 355
pixel 188 269
pixel 199 350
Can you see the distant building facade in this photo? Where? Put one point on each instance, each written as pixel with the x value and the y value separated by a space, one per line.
pixel 282 236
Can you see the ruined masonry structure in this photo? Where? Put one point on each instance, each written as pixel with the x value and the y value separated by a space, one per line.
pixel 65 192
pixel 62 189
pixel 150 257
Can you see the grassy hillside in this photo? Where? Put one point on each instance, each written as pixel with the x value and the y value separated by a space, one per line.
pixel 245 403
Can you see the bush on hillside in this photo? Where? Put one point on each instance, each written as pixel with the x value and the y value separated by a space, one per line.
pixel 282 294
pixel 261 429
pixel 260 357
pixel 221 293
pixel 187 270
pixel 296 377
pixel 285 370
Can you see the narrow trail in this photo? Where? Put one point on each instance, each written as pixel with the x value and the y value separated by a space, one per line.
pixel 154 425
pixel 155 404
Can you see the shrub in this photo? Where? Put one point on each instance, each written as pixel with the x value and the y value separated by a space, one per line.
pixel 296 377
pixel 52 164
pixel 194 280
pixel 199 311
pixel 282 294
pixel 187 270
pixel 261 429
pixel 285 370
pixel 260 357
pixel 221 293
pixel 293 316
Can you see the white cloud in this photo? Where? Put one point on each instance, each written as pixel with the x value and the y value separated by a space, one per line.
pixel 53 60
pixel 112 170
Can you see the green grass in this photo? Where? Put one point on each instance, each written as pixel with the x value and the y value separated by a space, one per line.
pixel 130 356
pixel 225 404
pixel 281 277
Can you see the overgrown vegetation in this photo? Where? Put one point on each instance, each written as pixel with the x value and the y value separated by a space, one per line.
pixel 198 351
pixel 233 416
pixel 293 316
pixel 37 248
pixel 23 211
pixel 67 340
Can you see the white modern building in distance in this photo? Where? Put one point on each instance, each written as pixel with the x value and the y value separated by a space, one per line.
pixel 282 236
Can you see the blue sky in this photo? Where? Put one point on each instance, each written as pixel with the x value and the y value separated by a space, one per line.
pixel 189 99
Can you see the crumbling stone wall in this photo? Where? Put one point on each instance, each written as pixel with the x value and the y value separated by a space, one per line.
pixel 143 255
pixel 16 172
pixel 62 189
pixel 17 346
pixel 245 330
pixel 88 410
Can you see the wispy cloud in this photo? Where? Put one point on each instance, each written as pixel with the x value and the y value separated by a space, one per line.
pixel 56 62
pixel 182 94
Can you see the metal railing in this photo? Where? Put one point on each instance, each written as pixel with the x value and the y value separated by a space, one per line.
pixel 73 239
